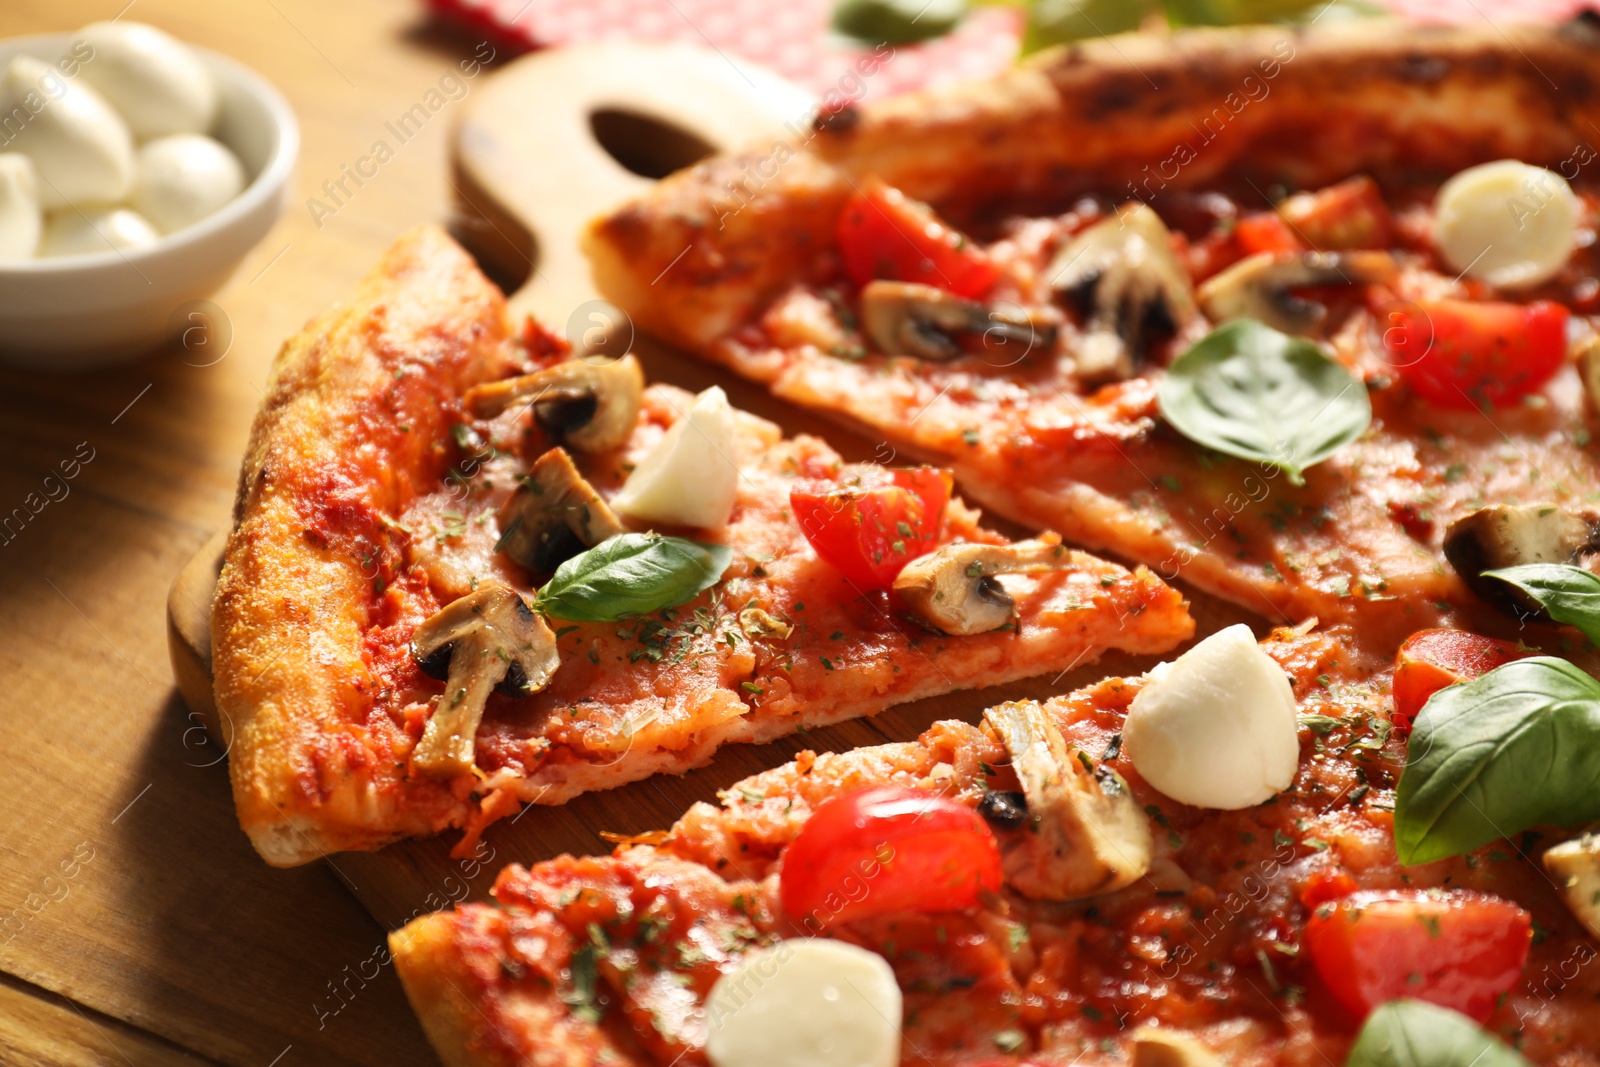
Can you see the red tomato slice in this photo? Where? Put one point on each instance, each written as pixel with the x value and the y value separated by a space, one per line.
pixel 1351 214
pixel 1266 232
pixel 1455 948
pixel 1460 354
pixel 870 530
pixel 885 234
pixel 886 850
pixel 1433 659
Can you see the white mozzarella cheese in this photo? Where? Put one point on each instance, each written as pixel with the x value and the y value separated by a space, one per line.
pixel 82 232
pixel 1506 223
pixel 20 220
pixel 805 1002
pixel 79 145
pixel 181 179
pixel 153 79
pixel 1216 727
pixel 691 477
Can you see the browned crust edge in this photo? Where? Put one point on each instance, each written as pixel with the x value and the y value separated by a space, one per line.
pixel 291 610
pixel 701 252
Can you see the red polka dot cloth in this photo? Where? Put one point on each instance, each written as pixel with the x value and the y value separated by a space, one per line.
pixel 792 38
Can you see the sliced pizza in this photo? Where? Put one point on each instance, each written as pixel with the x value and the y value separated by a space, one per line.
pixel 470 572
pixel 1271 310
pixel 1194 867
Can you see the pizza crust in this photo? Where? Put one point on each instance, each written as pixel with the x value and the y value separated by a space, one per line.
pixel 290 613
pixel 705 249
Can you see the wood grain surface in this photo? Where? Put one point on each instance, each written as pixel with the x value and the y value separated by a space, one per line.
pixel 138 925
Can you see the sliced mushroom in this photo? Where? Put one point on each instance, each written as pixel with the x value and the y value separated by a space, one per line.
pixel 1154 1047
pixel 1262 286
pixel 904 318
pixel 956 589
pixel 757 623
pixel 489 639
pixel 592 407
pixel 1588 353
pixel 1509 535
pixel 554 515
pixel 1124 280
pixel 1575 867
pixel 1084 834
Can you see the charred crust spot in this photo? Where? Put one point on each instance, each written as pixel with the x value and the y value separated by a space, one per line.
pixel 1116 95
pixel 837 120
pixel 1418 68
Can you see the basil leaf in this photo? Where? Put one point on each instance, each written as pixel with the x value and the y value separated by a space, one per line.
pixel 1059 21
pixel 1240 12
pixel 1513 748
pixel 631 574
pixel 897 21
pixel 1412 1033
pixel 1567 594
pixel 1249 391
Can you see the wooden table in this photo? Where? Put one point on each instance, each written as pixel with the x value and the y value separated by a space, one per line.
pixel 136 924
pixel 170 942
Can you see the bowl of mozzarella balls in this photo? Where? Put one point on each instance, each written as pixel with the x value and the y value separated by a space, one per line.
pixel 135 173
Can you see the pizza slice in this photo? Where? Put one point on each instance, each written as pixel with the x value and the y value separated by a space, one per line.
pixel 1023 892
pixel 470 572
pixel 1271 310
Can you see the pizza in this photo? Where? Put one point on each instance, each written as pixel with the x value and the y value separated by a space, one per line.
pixel 1285 313
pixel 1135 870
pixel 471 571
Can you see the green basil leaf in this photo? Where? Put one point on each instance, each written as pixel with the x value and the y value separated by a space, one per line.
pixel 897 21
pixel 1567 594
pixel 1249 391
pixel 631 574
pixel 1238 12
pixel 1060 21
pixel 1513 748
pixel 1412 1033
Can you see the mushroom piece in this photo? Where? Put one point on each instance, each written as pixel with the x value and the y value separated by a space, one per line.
pixel 1575 867
pixel 592 407
pixel 905 318
pixel 1084 833
pixel 553 515
pixel 1262 286
pixel 1587 352
pixel 489 639
pixel 1155 1047
pixel 1122 277
pixel 1509 535
pixel 955 589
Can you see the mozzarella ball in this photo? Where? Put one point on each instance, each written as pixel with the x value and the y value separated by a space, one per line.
pixel 1506 223
pixel 1216 727
pixel 805 1002
pixel 74 232
pixel 183 178
pixel 20 220
pixel 79 145
pixel 155 80
pixel 691 477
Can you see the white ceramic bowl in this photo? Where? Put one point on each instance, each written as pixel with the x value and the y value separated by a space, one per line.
pixel 72 312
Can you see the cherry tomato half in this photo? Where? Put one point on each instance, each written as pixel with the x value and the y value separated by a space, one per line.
pixel 1460 354
pixel 885 234
pixel 871 529
pixel 1351 214
pixel 885 850
pixel 1432 659
pixel 1266 232
pixel 1454 948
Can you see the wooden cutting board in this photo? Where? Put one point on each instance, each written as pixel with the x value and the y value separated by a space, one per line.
pixel 536 156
